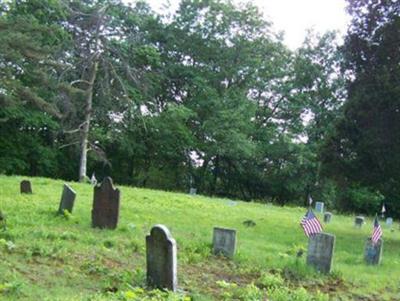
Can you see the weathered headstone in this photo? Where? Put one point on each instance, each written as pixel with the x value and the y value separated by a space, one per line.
pixel 224 242
pixel 320 252
pixel 161 259
pixel 327 217
pixel 389 221
pixel 26 186
pixel 67 199
pixel 193 191
pixel 373 252
pixel 319 207
pixel 105 210
pixel 359 221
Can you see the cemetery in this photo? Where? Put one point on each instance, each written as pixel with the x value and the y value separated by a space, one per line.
pixel 195 247
pixel 199 150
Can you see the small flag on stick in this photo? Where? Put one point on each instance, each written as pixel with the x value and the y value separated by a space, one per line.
pixel 310 224
pixel 377 231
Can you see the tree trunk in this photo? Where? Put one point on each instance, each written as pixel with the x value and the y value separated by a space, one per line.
pixel 86 125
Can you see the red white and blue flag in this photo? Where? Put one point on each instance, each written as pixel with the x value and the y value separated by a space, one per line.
pixel 377 231
pixel 310 224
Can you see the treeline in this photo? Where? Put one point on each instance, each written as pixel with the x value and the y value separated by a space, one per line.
pixel 208 97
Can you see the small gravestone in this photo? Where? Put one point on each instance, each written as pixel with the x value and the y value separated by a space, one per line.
pixel 373 252
pixel 320 252
pixel 224 242
pixel 192 191
pixel 389 221
pixel 67 199
pixel 327 217
pixel 105 210
pixel 319 207
pixel 26 186
pixel 359 221
pixel 161 259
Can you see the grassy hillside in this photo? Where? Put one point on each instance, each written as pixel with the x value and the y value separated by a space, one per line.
pixel 49 257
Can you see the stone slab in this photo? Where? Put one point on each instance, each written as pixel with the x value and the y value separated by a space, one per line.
pixel 319 207
pixel 26 187
pixel 327 217
pixel 67 199
pixel 373 252
pixel 359 221
pixel 161 258
pixel 224 241
pixel 320 252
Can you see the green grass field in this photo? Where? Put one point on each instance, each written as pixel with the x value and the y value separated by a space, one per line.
pixel 49 257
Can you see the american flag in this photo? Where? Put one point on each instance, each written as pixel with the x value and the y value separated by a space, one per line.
pixel 377 232
pixel 310 224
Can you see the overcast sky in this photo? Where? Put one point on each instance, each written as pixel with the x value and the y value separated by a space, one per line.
pixel 294 17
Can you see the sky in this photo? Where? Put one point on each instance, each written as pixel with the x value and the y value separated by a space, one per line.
pixel 293 17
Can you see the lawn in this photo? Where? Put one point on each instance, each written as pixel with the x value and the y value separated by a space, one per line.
pixel 48 257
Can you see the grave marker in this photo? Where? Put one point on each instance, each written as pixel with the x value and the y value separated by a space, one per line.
pixel 26 187
pixel 320 252
pixel 389 221
pixel 224 242
pixel 327 217
pixel 193 191
pixel 67 199
pixel 106 200
pixel 161 259
pixel 373 252
pixel 319 207
pixel 359 221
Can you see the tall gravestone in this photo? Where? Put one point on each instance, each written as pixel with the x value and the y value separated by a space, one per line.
pixel 67 199
pixel 224 242
pixel 319 207
pixel 373 252
pixel 106 200
pixel 359 221
pixel 320 252
pixel 327 217
pixel 25 186
pixel 161 259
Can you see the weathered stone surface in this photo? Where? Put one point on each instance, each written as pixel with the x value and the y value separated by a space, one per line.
pixel 193 191
pixel 389 221
pixel 373 252
pixel 26 186
pixel 161 259
pixel 67 199
pixel 359 221
pixel 106 200
pixel 320 252
pixel 319 207
pixel 327 217
pixel 224 242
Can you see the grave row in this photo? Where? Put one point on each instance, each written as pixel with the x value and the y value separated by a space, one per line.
pixel 161 248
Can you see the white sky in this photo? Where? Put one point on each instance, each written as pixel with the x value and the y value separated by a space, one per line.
pixel 293 17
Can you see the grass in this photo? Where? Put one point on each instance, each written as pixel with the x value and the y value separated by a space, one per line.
pixel 49 257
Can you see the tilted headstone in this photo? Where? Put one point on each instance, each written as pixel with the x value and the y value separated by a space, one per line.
pixel 105 210
pixel 319 207
pixel 359 221
pixel 327 217
pixel 320 252
pixel 192 191
pixel 373 252
pixel 224 241
pixel 26 186
pixel 389 221
pixel 161 259
pixel 67 199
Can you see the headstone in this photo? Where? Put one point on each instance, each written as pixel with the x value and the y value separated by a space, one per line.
pixel 67 199
pixel 105 210
pixel 327 217
pixel 192 191
pixel 389 221
pixel 26 186
pixel 224 242
pixel 319 207
pixel 373 252
pixel 161 259
pixel 359 221
pixel 320 252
